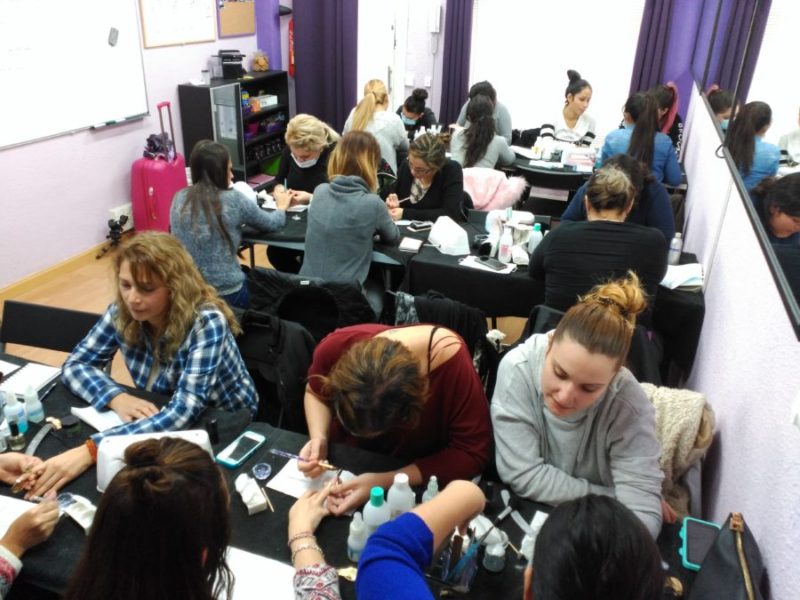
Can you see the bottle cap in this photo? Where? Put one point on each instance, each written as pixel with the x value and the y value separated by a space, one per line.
pixel 401 479
pixel 537 226
pixel 14 428
pixel 376 496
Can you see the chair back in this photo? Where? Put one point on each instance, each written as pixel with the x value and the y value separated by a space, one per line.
pixel 43 326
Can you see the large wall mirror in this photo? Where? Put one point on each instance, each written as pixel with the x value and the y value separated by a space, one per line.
pixel 753 68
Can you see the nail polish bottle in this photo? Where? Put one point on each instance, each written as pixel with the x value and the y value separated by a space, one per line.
pixel 16 441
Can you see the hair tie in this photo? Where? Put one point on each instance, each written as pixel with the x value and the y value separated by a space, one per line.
pixel 605 301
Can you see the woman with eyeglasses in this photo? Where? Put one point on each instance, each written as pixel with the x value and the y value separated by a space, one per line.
pixel 408 392
pixel 429 185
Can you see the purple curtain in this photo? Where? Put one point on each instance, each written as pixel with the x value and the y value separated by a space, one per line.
pixel 455 64
pixel 651 51
pixel 268 32
pixel 325 49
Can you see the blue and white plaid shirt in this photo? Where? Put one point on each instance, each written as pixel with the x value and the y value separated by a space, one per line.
pixel 206 370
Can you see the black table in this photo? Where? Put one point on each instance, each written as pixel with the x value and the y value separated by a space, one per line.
pixel 47 567
pixel 557 178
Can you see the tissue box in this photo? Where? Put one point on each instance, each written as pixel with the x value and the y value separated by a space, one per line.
pixel 265 101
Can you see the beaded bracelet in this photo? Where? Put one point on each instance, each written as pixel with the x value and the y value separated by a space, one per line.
pixel 300 536
pixel 308 547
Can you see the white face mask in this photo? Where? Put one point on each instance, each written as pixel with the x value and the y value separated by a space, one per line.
pixel 305 164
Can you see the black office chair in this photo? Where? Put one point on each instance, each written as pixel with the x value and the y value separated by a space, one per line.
pixel 42 326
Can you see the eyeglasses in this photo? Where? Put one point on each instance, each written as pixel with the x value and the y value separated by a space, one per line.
pixel 419 170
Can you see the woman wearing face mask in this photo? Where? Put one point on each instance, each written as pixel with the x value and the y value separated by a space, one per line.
pixel 721 102
pixel 755 158
pixel 570 420
pixel 415 114
pixel 573 125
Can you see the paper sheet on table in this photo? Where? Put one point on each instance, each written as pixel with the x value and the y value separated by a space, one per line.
pixel 100 420
pixel 292 482
pixel 10 509
pixel 474 263
pixel 684 276
pixel 254 572
pixel 298 208
pixel 7 368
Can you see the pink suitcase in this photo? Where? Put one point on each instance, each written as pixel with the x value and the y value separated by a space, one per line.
pixel 154 183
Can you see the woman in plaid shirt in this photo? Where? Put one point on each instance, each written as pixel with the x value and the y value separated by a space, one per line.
pixel 176 337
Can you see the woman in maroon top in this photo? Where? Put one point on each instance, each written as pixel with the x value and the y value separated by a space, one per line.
pixel 409 392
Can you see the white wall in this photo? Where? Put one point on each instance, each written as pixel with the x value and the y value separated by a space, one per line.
pixel 57 193
pixel 525 49
pixel 747 367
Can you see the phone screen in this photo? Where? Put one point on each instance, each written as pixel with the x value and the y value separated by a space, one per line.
pixel 699 539
pixel 492 263
pixel 243 446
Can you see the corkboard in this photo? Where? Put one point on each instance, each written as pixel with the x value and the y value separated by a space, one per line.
pixel 237 18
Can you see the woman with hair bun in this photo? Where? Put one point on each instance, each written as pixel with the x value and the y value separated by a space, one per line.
pixel 415 114
pixel 579 254
pixel 477 145
pixel 573 125
pixel 570 420
pixel 755 158
pixel 372 114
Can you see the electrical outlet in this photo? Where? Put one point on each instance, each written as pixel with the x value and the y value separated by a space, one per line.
pixel 118 211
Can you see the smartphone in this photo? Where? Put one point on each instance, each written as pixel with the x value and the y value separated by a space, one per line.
pixel 417 226
pixel 492 263
pixel 697 538
pixel 240 449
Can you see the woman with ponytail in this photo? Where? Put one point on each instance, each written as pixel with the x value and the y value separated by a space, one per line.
pixel 669 121
pixel 755 158
pixel 570 420
pixel 477 145
pixel 640 138
pixel 372 115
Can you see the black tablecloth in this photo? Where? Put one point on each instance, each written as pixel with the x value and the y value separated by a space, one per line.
pixel 49 565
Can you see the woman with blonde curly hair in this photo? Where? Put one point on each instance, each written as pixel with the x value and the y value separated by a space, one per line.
pixel 570 420
pixel 372 114
pixel 176 337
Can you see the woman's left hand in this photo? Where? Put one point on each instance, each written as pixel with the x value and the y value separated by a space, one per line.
pixel 353 494
pixel 308 511
pixel 396 213
pixel 55 473
pixel 13 465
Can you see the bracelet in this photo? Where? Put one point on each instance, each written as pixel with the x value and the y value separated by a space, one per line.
pixel 300 536
pixel 92 447
pixel 308 547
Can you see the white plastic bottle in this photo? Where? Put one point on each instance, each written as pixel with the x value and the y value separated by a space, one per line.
pixel 432 489
pixel 536 237
pixel 400 497
pixel 15 412
pixel 376 511
pixel 504 248
pixel 33 406
pixel 357 538
pixel 675 249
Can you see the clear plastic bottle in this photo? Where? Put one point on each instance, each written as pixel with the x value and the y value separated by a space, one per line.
pixel 33 406
pixel 432 489
pixel 536 237
pixel 15 412
pixel 675 249
pixel 376 511
pixel 400 497
pixel 357 538
pixel 504 249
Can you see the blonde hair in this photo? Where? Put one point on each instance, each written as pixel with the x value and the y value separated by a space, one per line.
pixel 309 133
pixel 610 188
pixel 604 319
pixel 357 153
pixel 375 95
pixel 155 255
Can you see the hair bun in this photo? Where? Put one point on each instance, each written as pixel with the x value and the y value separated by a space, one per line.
pixel 623 296
pixel 573 75
pixel 420 94
pixel 146 453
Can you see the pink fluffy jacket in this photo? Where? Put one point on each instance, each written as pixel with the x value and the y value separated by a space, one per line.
pixel 491 189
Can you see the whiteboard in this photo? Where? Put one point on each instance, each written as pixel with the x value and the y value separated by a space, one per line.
pixel 172 22
pixel 62 68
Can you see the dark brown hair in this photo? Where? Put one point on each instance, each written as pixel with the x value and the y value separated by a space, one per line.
pixel 604 319
pixel 161 530
pixel 430 149
pixel 643 109
pixel 741 140
pixel 376 385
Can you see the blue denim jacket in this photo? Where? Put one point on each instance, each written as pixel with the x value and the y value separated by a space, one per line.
pixel 665 165
pixel 765 163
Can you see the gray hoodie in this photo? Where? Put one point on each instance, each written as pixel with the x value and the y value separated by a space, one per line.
pixel 388 129
pixel 609 448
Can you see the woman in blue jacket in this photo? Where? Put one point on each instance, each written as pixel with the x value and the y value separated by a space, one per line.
pixel 755 158
pixel 641 139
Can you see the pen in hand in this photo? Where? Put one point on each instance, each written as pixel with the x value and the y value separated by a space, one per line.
pixel 324 464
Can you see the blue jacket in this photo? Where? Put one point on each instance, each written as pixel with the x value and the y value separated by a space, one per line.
pixel 665 165
pixel 652 208
pixel 765 164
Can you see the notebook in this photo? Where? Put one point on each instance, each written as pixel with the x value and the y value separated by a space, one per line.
pixel 38 376
pixel 100 420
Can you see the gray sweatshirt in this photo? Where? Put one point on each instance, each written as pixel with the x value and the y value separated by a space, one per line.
pixel 498 153
pixel 609 449
pixel 388 129
pixel 343 217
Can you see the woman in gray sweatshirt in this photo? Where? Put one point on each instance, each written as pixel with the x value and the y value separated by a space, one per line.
pixel 570 420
